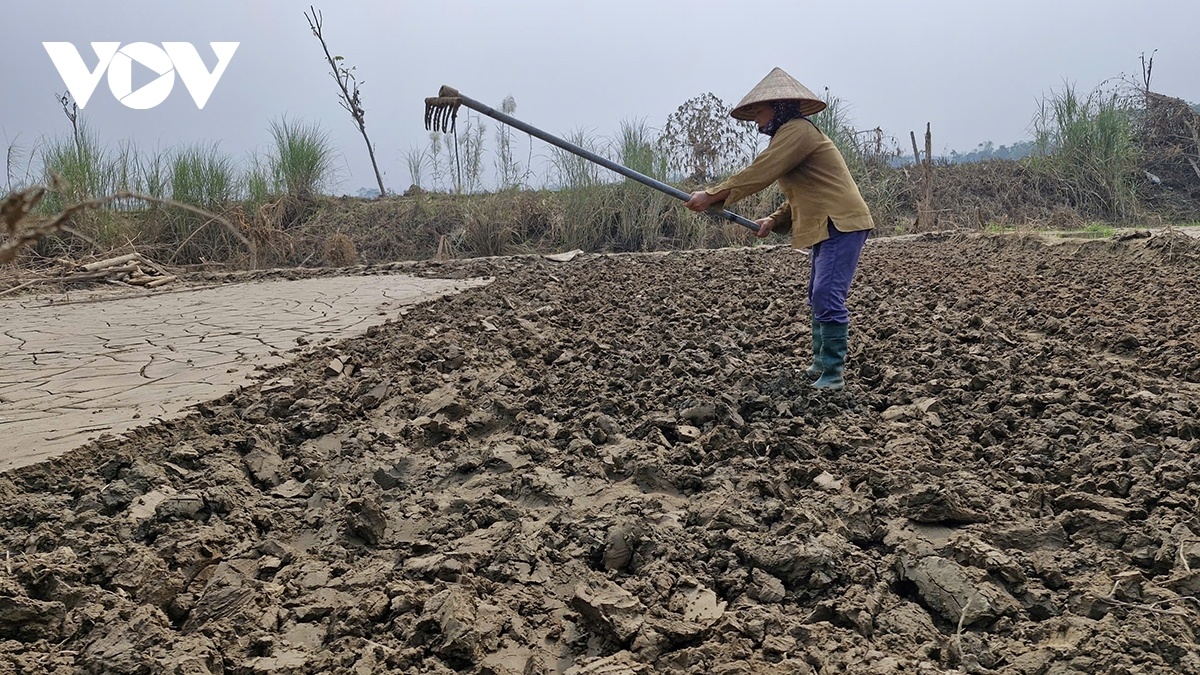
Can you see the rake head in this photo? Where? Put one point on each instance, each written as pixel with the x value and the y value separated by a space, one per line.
pixel 441 111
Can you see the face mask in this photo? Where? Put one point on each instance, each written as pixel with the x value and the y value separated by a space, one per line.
pixel 785 111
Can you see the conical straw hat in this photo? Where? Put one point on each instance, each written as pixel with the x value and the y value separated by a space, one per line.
pixel 779 86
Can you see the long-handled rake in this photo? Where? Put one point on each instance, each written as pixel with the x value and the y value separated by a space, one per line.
pixel 441 113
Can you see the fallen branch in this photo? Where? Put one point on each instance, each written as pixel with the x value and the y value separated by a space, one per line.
pixel 139 281
pixel 16 209
pixel 124 269
pixel 111 262
pixel 27 284
pixel 98 274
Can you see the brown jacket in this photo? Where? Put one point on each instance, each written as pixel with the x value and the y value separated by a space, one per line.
pixel 813 177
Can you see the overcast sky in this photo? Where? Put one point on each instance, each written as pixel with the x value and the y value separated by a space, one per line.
pixel 974 69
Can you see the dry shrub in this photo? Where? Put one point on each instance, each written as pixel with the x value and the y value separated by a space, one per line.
pixel 1062 218
pixel 888 192
pixel 276 248
pixel 488 226
pixel 976 194
pixel 535 213
pixel 339 251
pixel 290 211
pixel 1169 136
pixel 507 222
pixel 389 228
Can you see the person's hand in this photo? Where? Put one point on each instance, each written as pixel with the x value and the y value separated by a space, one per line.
pixel 701 201
pixel 765 225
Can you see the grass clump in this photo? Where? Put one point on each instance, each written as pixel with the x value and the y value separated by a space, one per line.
pixel 80 168
pixel 299 167
pixel 639 211
pixel 302 159
pixel 199 175
pixel 203 176
pixel 1086 145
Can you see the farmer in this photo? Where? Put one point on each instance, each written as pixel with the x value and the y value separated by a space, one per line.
pixel 823 211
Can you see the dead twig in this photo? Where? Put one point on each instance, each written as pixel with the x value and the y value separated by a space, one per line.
pixel 962 616
pixel 1151 607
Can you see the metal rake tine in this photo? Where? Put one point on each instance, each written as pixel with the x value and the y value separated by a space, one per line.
pixel 441 113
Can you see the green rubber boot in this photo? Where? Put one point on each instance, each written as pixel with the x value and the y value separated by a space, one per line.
pixel 814 370
pixel 834 338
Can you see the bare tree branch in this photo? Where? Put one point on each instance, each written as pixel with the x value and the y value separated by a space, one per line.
pixel 350 98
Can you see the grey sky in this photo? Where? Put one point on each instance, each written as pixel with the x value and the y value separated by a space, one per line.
pixel 973 69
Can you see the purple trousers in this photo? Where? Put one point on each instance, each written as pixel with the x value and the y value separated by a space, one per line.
pixel 834 262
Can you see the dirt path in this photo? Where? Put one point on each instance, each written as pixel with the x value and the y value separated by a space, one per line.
pixel 612 466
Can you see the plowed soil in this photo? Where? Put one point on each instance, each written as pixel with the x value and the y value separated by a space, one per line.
pixel 615 465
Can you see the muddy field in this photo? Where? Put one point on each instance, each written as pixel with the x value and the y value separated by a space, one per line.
pixel 612 465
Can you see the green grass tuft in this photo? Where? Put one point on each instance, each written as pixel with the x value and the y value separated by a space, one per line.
pixel 1086 146
pixel 302 160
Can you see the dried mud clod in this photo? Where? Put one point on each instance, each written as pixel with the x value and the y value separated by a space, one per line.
pixel 613 465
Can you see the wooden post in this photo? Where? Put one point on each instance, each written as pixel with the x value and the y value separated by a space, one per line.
pixel 932 222
pixel 925 217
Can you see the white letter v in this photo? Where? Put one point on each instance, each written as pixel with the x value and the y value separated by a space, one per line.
pixel 199 82
pixel 79 80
